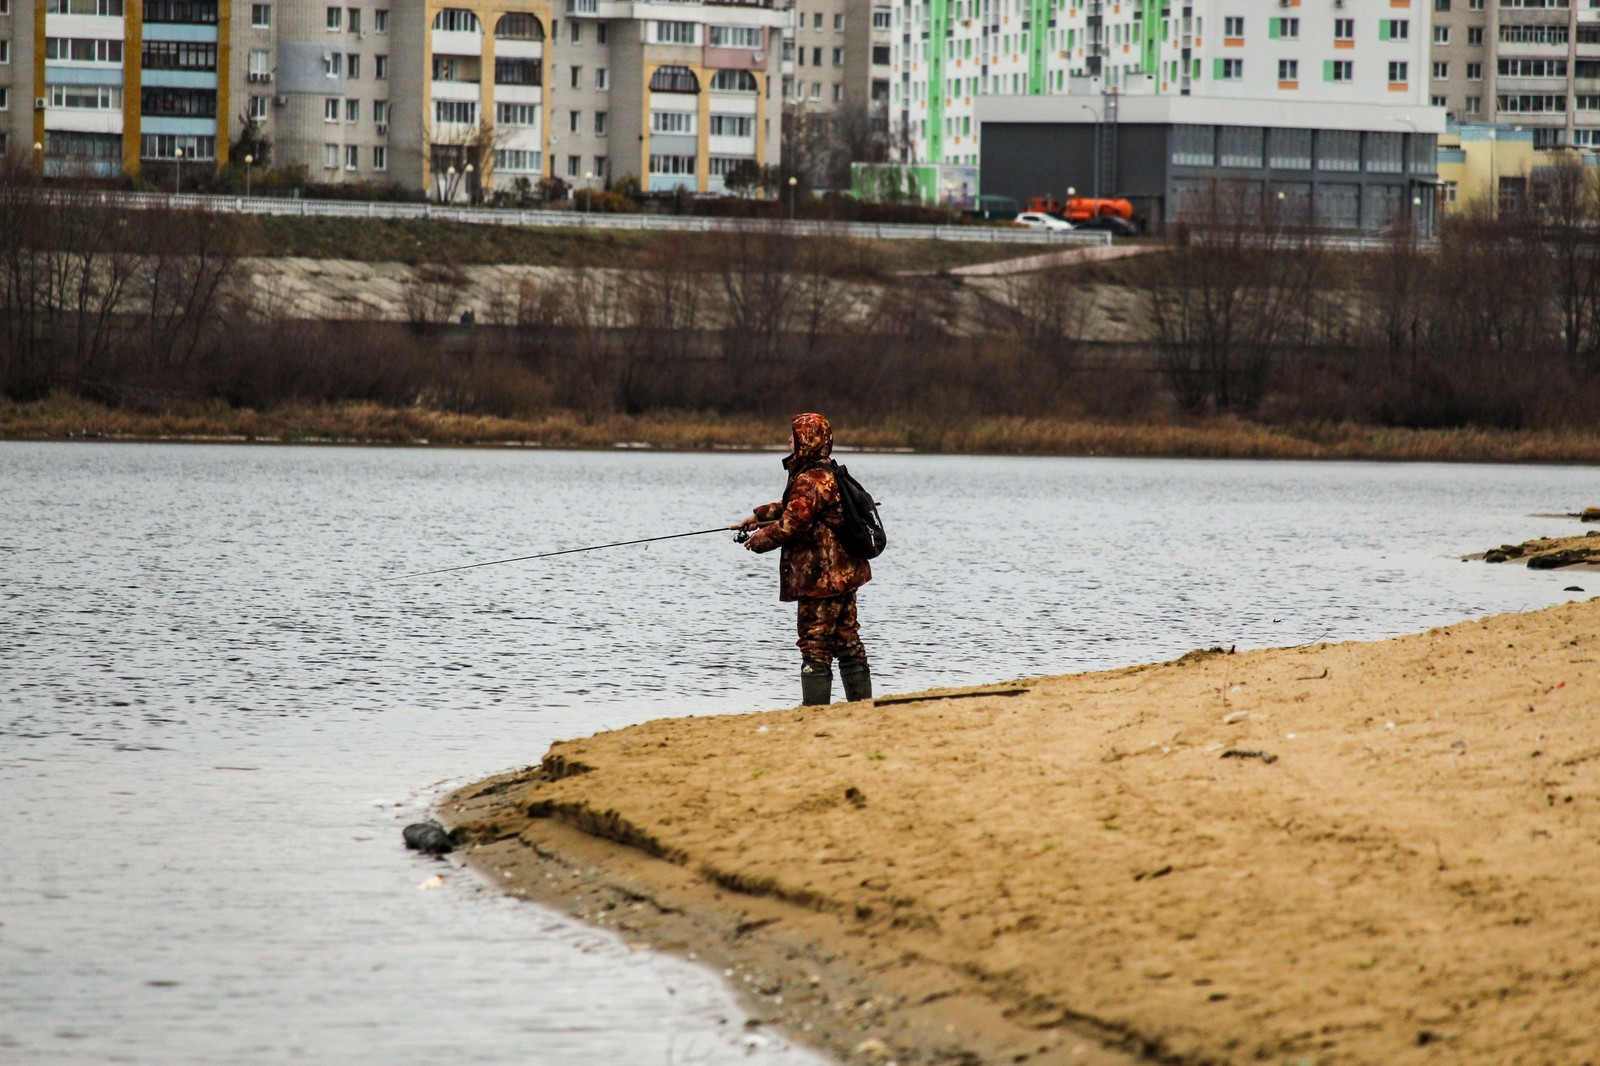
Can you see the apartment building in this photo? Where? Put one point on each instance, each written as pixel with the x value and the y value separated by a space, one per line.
pixel 948 54
pixel 453 100
pixel 1529 63
pixel 838 55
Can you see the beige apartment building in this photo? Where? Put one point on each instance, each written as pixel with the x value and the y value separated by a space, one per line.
pixel 837 68
pixel 455 99
pixel 1533 64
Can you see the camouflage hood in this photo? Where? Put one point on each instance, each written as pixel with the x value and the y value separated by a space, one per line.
pixel 812 440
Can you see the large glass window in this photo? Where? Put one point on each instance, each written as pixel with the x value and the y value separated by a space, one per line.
pixel 1239 146
pixel 519 26
pixel 1194 146
pixel 456 20
pixel 1289 149
pixel 203 12
pixel 1339 150
pixel 180 55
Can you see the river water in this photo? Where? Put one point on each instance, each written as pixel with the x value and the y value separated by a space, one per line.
pixel 217 707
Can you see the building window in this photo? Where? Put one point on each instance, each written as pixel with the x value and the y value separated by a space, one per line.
pixel 577 31
pixel 1439 101
pixel 672 122
pixel 1399 73
pixel 178 103
pixel 1340 70
pixel 599 123
pixel 352 19
pixel 335 22
pixel 519 71
pixel 574 121
pixel 1230 69
pixel 676 32
pixel 1475 35
pixel 90 50
pixel 330 157
pixel 1532 68
pixel 838 23
pixel 519 26
pixel 458 112
pixel 1288 70
pixel 1450 190
pixel 882 20
pixel 1344 29
pixel 86 97
pixel 380 20
pixel 602 78
pixel 456 20
pixel 352 157
pixel 332 64
pixel 1532 103
pixel 260 65
pixel 258 108
pixel 518 160
pixel 1474 71
pixel 1288 29
pixel 168 145
pixel 380 67
pixel 838 57
pixel 1394 30
pixel 1233 26
pixel 734 36
pixel 261 16
pixel 676 80
pixel 352 65
pixel 380 112
pixel 674 164
pixel 600 33
pixel 838 93
pixel 1474 105
pixel 1441 71
pixel 816 57
pixel 742 81
pixel 352 110
pixel 380 158
pixel 733 125
pixel 330 109
pixel 1441 35
pixel 816 21
pixel 516 115
pixel 574 166
pixel 113 8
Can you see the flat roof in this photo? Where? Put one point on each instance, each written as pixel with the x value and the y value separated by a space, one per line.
pixel 1085 110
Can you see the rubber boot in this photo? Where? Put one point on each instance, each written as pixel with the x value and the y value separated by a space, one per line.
pixel 857 678
pixel 816 682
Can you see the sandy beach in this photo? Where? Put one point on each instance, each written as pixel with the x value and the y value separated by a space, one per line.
pixel 1382 853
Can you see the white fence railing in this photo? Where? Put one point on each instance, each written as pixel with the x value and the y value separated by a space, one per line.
pixel 262 205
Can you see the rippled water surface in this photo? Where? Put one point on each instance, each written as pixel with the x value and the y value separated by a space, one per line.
pixel 217 709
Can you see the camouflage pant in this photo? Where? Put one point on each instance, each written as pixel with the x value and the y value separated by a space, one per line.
pixel 828 628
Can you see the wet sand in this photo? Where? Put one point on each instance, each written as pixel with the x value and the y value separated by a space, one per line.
pixel 1382 853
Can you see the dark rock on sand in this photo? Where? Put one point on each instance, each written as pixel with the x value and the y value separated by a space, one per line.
pixel 429 837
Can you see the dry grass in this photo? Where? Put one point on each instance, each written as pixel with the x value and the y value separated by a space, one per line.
pixel 65 418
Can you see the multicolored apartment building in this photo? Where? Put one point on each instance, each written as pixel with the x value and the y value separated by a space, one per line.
pixel 455 99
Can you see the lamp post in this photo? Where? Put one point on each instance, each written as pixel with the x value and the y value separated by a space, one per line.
pixel 177 171
pixel 449 183
pixel 38 150
pixel 249 161
pixel 588 199
pixel 793 182
pixel 1096 153
pixel 468 170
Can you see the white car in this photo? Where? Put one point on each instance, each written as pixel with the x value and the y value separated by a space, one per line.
pixel 1040 220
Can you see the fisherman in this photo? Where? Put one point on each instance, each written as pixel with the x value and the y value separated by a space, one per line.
pixel 814 570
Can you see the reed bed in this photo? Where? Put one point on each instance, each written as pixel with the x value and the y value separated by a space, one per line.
pixel 1222 437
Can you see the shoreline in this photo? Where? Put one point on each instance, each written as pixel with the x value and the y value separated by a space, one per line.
pixel 1346 853
pixel 368 425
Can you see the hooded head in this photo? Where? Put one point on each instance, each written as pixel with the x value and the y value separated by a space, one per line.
pixel 810 440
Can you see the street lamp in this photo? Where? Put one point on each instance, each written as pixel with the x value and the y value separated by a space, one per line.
pixel 468 170
pixel 793 181
pixel 1096 153
pixel 249 161
pixel 38 150
pixel 449 182
pixel 588 199
pixel 177 171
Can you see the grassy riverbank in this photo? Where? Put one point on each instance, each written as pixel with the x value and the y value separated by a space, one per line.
pixel 1215 438
pixel 1360 854
pixel 415 241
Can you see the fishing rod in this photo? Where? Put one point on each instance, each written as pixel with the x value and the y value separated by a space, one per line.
pixel 567 551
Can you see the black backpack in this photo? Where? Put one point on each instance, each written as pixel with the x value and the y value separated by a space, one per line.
pixel 861 533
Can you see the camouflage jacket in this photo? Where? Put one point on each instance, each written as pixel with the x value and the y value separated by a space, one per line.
pixel 814 564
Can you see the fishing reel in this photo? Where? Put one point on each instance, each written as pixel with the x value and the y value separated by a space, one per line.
pixel 741 536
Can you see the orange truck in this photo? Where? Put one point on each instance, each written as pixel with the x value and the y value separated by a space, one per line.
pixel 1082 208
